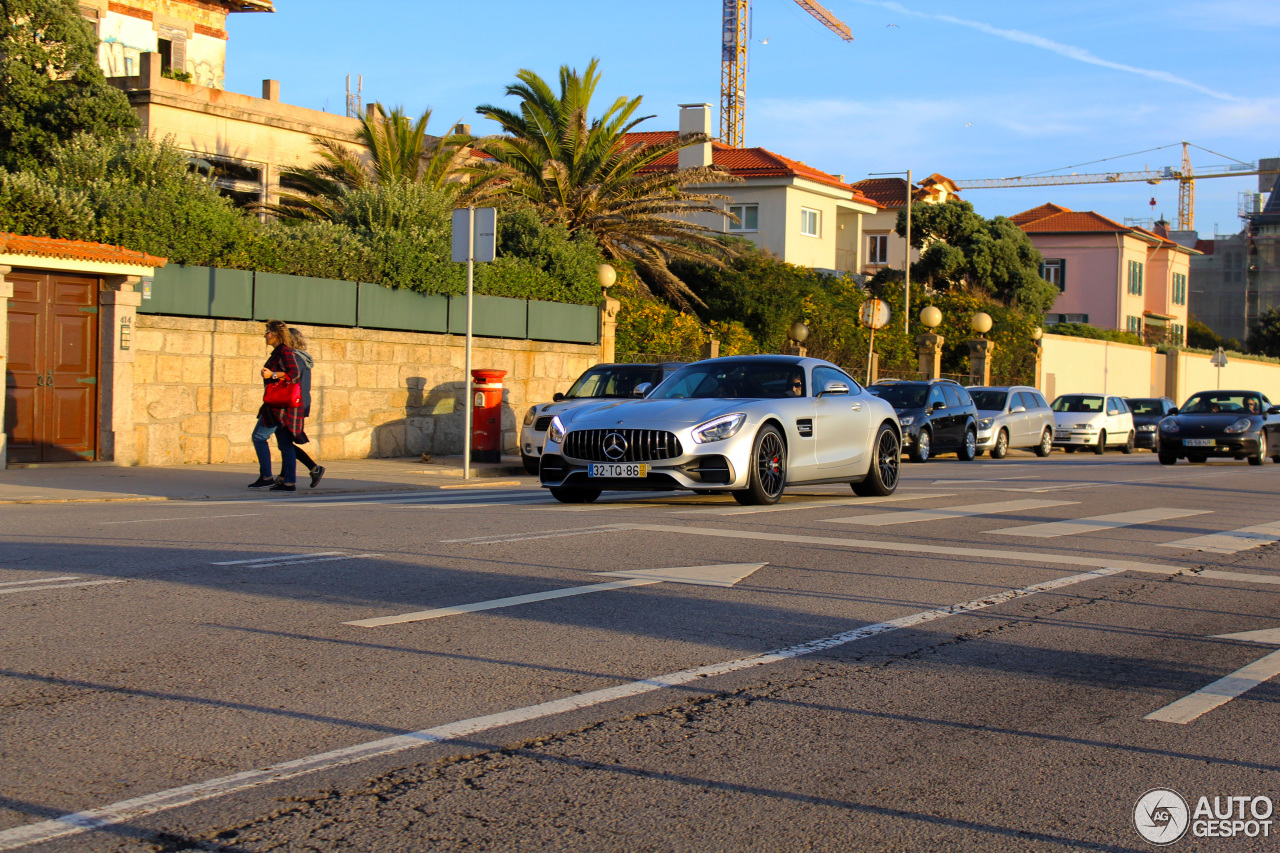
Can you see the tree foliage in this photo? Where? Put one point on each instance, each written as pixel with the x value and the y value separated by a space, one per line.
pixel 1264 334
pixel 51 87
pixel 961 250
pixel 583 174
pixel 1200 336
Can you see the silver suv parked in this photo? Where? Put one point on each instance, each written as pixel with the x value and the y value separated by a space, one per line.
pixel 1012 416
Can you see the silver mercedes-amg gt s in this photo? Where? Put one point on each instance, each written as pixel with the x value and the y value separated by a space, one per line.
pixel 748 425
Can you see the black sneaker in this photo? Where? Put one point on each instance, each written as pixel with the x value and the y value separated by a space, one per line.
pixel 262 482
pixel 316 473
pixel 283 487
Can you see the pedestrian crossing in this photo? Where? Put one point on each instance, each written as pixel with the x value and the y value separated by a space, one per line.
pixel 1221 542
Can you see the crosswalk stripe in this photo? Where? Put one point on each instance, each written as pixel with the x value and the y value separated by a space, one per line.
pixel 43 587
pixel 1230 541
pixel 1098 522
pixel 30 581
pixel 881 519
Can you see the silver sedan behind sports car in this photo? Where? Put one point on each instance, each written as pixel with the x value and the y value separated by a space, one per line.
pixel 749 425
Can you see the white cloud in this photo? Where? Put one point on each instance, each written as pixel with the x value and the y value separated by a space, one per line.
pixel 1078 54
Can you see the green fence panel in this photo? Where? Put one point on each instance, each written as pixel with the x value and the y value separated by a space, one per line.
pixel 492 316
pixel 299 299
pixel 557 321
pixel 401 310
pixel 200 292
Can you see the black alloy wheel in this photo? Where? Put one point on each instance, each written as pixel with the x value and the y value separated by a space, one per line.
pixel 768 477
pixel 1128 445
pixel 1167 458
pixel 922 448
pixel 1001 448
pixel 575 496
pixel 1102 443
pixel 882 475
pixel 1261 456
pixel 1045 447
pixel 969 450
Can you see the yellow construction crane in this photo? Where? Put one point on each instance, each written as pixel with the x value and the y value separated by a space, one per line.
pixel 1185 176
pixel 733 63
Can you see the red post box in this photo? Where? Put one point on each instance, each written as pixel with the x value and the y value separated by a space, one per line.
pixel 486 415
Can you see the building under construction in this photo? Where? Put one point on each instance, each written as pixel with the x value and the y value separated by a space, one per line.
pixel 1237 278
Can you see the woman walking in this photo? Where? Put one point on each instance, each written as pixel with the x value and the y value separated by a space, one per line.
pixel 287 422
pixel 305 362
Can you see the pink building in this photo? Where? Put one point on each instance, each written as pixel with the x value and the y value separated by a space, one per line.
pixel 1110 275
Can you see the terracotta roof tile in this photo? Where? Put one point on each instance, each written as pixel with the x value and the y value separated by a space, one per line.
pixel 1036 213
pixel 75 250
pixel 1071 222
pixel 886 192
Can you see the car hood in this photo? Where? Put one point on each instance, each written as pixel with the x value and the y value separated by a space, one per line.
pixel 991 413
pixel 1213 423
pixel 1070 419
pixel 575 403
pixel 650 414
pixel 1140 420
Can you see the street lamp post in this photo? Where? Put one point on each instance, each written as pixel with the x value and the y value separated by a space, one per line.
pixel 906 269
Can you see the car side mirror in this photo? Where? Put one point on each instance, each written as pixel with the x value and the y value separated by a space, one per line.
pixel 557 397
pixel 642 389
pixel 937 406
pixel 834 387
pixel 1274 410
pixel 1017 410
pixel 1172 411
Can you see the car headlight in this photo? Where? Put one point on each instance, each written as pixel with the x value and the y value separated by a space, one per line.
pixel 528 416
pixel 1147 428
pixel 723 427
pixel 1239 426
pixel 907 421
pixel 1169 426
pixel 986 423
pixel 555 432
pixel 1083 426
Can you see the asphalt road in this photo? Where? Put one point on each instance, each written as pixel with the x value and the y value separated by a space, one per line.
pixel 1004 656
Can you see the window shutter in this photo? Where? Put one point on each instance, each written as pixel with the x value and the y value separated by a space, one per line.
pixel 1062 275
pixel 177 38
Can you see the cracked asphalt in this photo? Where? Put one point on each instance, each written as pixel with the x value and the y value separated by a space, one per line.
pixel 923 685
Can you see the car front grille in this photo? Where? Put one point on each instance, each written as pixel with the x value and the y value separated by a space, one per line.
pixel 642 445
pixel 543 423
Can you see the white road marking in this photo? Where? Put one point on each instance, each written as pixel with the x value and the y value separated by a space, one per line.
pixel 904 516
pixel 140 807
pixel 40 580
pixel 724 576
pixel 1230 541
pixel 1220 692
pixel 184 518
pixel 981 480
pixel 1266 637
pixel 1095 523
pixel 484 485
pixel 525 537
pixel 277 558
pixel 807 504
pixel 1213 574
pixel 42 588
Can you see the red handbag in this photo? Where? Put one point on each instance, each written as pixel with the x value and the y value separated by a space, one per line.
pixel 284 394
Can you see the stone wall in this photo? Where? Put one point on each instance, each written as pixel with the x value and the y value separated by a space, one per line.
pixel 197 388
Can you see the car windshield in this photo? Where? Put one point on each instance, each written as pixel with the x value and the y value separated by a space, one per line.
pixel 612 381
pixel 1146 407
pixel 1086 403
pixel 732 380
pixel 988 400
pixel 902 396
pixel 1223 403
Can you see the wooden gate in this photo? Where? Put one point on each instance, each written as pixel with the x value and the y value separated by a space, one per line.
pixel 51 407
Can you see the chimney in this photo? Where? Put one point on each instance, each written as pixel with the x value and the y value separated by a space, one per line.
pixel 695 118
pixel 271 90
pixel 461 129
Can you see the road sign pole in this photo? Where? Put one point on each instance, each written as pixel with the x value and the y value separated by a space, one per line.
pixel 466 369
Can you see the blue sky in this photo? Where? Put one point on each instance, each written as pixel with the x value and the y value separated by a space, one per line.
pixel 968 89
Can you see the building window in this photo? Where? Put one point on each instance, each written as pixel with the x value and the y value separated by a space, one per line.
pixel 809 221
pixel 1135 278
pixel 1050 319
pixel 1054 271
pixel 1179 289
pixel 748 217
pixel 94 17
pixel 1135 324
pixel 1178 333
pixel 878 248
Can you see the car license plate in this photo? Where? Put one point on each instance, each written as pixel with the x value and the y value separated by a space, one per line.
pixel 1062 433
pixel 612 469
pixel 1197 442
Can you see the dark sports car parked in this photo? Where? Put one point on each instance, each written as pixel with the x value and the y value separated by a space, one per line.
pixel 1148 412
pixel 1239 424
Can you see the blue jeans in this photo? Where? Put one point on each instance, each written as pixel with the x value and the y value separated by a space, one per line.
pixel 288 455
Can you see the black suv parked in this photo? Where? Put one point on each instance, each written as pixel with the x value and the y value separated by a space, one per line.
pixel 1148 412
pixel 936 417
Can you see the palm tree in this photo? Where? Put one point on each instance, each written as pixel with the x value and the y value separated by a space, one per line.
pixel 396 149
pixel 587 176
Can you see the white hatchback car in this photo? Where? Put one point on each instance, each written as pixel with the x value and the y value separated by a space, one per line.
pixel 1093 421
